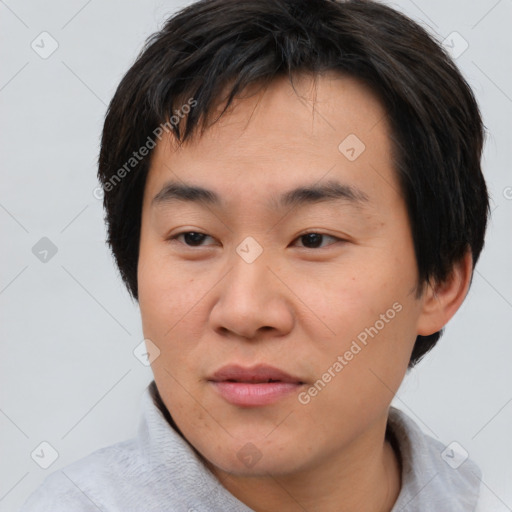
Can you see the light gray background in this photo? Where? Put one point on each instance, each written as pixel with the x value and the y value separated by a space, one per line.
pixel 69 328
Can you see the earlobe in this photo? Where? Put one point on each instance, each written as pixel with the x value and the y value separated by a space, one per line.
pixel 441 300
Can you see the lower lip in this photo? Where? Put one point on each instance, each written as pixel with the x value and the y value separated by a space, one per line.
pixel 246 394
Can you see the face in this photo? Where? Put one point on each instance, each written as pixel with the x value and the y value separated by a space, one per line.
pixel 295 263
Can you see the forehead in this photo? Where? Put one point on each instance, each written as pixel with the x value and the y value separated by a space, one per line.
pixel 322 128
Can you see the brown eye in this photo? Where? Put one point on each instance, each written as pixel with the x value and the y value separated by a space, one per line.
pixel 193 238
pixel 312 240
pixel 315 240
pixel 190 238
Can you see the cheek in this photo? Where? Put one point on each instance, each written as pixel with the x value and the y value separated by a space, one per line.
pixel 168 296
pixel 369 319
pixel 357 376
pixel 349 298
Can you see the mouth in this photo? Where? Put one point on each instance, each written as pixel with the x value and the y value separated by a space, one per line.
pixel 259 374
pixel 256 386
pixel 257 381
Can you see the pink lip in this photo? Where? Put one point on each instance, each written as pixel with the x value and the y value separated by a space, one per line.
pixel 251 387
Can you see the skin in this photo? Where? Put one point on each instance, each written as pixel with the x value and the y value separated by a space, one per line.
pixel 297 306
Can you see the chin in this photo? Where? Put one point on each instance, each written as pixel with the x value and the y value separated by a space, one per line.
pixel 256 459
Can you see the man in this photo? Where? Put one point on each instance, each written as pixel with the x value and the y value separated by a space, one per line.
pixel 294 197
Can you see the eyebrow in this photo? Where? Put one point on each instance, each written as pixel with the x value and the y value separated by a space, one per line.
pixel 302 195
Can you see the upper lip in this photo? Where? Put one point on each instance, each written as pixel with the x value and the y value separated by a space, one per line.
pixel 255 374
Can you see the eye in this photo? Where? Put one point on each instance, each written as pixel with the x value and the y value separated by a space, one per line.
pixel 190 238
pixel 310 240
pixel 314 240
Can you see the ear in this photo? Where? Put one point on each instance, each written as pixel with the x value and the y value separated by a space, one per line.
pixel 442 299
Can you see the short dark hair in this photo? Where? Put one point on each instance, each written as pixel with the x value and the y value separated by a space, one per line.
pixel 216 47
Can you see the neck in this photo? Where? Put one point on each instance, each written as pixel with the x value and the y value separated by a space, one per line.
pixel 364 478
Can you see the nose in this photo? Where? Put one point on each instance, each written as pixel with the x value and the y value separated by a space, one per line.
pixel 252 300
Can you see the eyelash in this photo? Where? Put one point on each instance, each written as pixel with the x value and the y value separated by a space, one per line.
pixel 175 237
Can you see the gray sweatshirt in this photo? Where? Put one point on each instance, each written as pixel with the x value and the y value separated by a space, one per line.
pixel 159 471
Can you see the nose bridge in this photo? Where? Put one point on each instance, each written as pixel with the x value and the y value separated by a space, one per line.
pixel 250 276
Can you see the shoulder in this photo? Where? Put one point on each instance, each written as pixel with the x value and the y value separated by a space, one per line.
pixel 92 483
pixel 489 501
pixel 435 476
pixel 142 473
